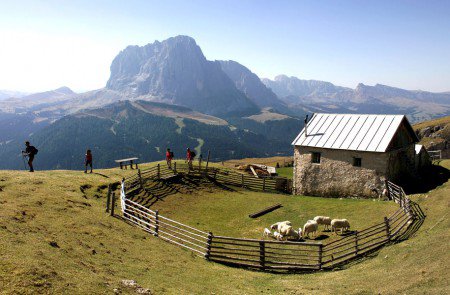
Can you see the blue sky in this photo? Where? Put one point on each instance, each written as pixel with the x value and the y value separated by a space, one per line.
pixel 47 44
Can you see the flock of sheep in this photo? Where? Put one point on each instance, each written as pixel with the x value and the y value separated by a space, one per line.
pixel 283 229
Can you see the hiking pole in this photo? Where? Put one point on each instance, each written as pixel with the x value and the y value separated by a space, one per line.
pixel 23 159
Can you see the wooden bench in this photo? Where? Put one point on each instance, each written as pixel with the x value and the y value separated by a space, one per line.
pixel 126 162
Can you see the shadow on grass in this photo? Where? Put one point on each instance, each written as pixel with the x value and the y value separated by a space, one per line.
pixel 159 190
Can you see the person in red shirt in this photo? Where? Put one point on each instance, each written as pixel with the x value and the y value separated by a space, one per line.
pixel 88 161
pixel 189 158
pixel 169 157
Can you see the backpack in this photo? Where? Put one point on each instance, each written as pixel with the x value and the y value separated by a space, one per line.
pixel 34 150
pixel 171 154
pixel 192 154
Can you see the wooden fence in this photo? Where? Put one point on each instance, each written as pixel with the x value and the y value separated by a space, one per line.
pixel 263 254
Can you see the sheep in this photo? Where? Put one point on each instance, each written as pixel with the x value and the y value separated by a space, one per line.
pixel 288 231
pixel 267 233
pixel 324 220
pixel 310 227
pixel 342 224
pixel 278 236
pixel 278 225
pixel 300 233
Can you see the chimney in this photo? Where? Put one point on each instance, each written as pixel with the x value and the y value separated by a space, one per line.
pixel 306 124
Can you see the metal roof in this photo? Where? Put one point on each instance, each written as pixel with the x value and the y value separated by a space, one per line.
pixel 357 132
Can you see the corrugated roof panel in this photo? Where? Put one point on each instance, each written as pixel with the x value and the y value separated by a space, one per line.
pixel 370 134
pixel 314 132
pixel 346 131
pixel 389 134
pixel 350 132
pixel 359 136
pixel 353 131
pixel 384 127
pixel 324 131
pixel 337 131
pixel 311 124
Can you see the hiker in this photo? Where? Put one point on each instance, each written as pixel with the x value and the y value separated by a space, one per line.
pixel 30 152
pixel 169 157
pixel 88 160
pixel 190 155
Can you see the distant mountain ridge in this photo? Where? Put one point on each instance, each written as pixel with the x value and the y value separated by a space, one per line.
pixel 312 95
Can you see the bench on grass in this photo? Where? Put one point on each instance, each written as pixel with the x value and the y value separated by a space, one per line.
pixel 126 162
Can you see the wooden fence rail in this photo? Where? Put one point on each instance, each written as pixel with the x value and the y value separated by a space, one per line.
pixel 262 254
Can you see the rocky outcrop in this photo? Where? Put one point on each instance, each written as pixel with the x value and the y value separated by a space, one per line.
pixel 176 71
pixel 250 84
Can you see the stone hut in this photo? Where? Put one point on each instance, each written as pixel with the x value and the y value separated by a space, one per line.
pixel 351 155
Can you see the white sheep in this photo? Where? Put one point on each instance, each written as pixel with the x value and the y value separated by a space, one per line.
pixel 278 236
pixel 310 227
pixel 288 231
pixel 267 233
pixel 278 225
pixel 341 224
pixel 323 220
pixel 300 233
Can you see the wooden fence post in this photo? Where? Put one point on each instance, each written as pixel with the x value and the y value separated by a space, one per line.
pixel 262 254
pixel 175 167
pixel 156 223
pixel 113 203
pixel 320 255
pixel 208 245
pixel 140 179
pixel 207 161
pixel 242 180
pixel 388 230
pixel 158 173
pixel 264 184
pixel 108 198
pixel 356 243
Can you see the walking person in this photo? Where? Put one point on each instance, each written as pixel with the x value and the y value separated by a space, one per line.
pixel 190 155
pixel 88 161
pixel 169 157
pixel 30 151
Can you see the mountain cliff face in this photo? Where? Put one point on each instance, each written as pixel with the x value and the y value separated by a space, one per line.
pixel 176 71
pixel 250 84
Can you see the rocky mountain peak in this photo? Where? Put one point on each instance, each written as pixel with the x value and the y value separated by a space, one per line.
pixel 176 71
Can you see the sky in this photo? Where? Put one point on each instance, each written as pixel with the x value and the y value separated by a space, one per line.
pixel 406 44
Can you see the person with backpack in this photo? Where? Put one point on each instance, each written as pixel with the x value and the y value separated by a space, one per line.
pixel 190 155
pixel 88 160
pixel 169 157
pixel 30 151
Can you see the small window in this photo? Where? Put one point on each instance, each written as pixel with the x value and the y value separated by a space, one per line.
pixel 357 162
pixel 315 158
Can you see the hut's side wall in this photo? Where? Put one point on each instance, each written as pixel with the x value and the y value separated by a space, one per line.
pixel 336 176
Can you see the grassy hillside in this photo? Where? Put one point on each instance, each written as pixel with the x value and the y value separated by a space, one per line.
pixel 57 238
pixel 430 123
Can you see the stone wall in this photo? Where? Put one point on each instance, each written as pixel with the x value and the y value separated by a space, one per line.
pixel 336 176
